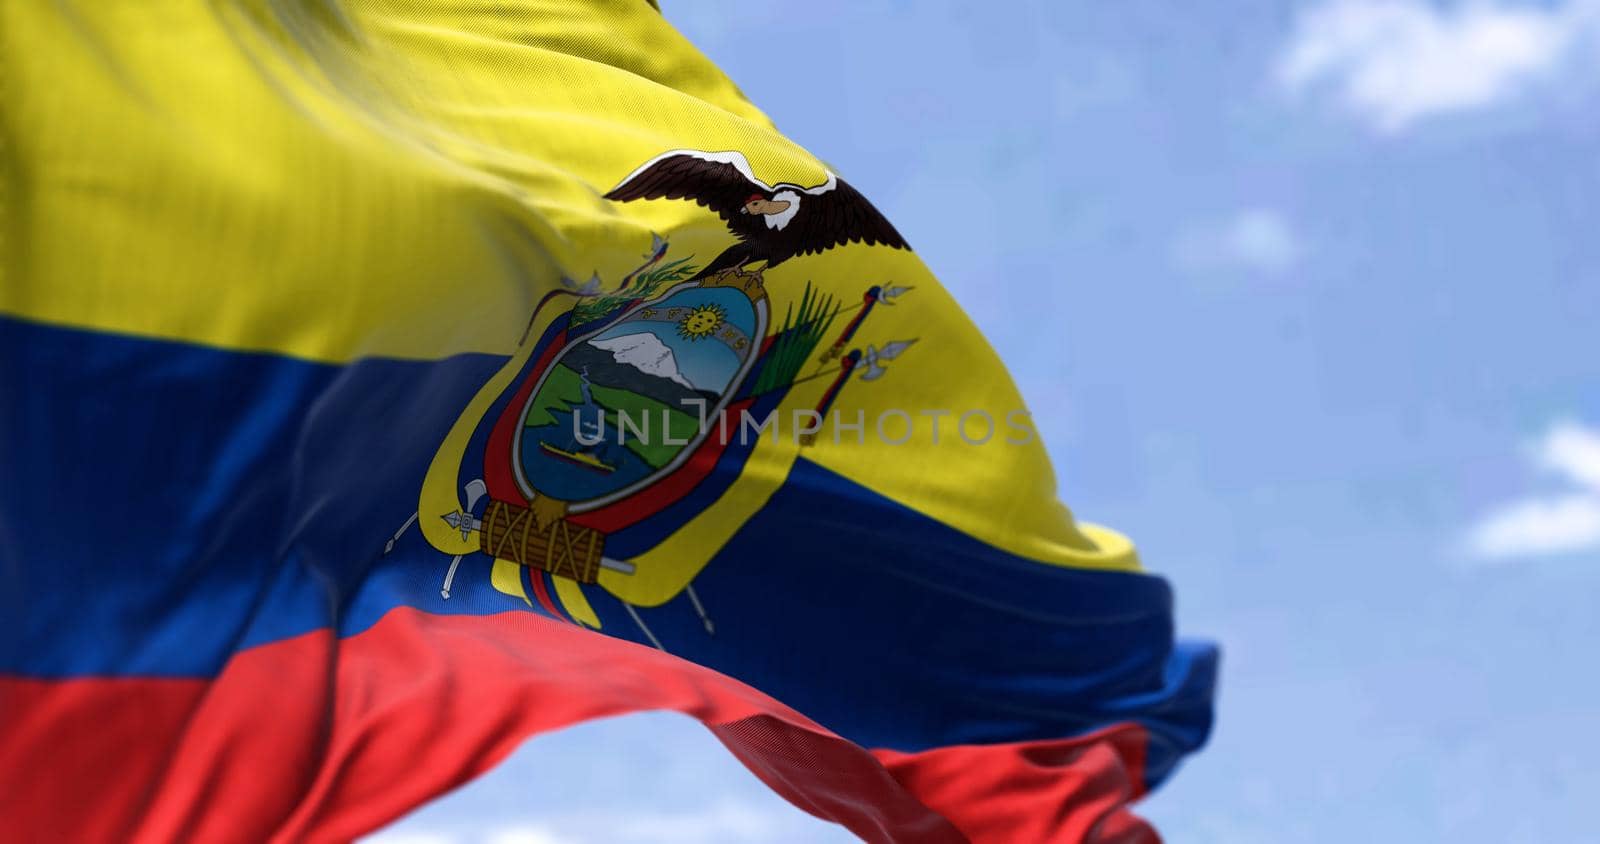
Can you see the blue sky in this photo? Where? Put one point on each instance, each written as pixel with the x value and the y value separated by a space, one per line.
pixel 1304 297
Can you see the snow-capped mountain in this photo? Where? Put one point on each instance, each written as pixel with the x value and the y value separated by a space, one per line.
pixel 646 353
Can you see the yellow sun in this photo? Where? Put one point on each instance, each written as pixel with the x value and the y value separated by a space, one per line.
pixel 699 323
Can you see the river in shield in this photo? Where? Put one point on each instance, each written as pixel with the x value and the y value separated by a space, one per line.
pixel 556 463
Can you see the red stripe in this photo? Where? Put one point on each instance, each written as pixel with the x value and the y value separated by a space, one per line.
pixel 1067 790
pixel 418 704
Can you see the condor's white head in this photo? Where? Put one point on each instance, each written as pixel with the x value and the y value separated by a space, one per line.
pixel 778 210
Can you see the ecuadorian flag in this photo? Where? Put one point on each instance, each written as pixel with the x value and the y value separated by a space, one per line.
pixel 384 382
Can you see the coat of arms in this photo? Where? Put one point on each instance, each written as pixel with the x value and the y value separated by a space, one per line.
pixel 628 410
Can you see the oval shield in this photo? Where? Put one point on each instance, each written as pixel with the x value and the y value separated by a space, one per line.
pixel 621 407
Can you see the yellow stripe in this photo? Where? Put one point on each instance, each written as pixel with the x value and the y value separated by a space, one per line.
pixel 407 180
pixel 404 181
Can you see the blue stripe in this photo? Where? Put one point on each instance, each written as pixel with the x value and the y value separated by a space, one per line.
pixel 164 505
pixel 893 629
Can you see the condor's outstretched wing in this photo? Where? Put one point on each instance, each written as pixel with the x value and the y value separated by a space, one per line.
pixel 839 216
pixel 721 181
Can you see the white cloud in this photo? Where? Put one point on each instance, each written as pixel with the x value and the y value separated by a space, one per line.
pixel 1540 526
pixel 1549 524
pixel 1395 62
pixel 1574 451
pixel 1257 239
pixel 526 835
